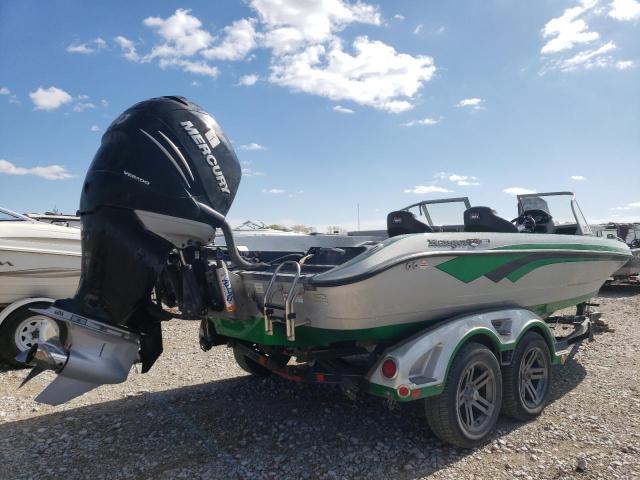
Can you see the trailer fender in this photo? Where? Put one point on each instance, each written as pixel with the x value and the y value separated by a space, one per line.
pixel 12 307
pixel 423 360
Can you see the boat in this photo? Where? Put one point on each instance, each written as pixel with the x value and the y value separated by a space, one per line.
pixel 258 242
pixel 447 312
pixel 488 265
pixel 39 262
pixel 628 233
pixel 56 219
pixel 37 259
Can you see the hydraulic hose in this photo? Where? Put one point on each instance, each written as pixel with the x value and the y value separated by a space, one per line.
pixel 218 219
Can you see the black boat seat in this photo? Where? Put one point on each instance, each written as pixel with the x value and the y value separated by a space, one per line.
pixel 484 219
pixel 403 222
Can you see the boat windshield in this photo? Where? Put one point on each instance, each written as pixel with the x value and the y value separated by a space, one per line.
pixel 563 208
pixel 9 216
pixel 447 213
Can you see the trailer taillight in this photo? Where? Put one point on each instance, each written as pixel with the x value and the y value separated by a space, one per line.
pixel 403 391
pixel 389 368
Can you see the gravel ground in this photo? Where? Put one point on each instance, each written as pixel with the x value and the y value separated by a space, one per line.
pixel 197 415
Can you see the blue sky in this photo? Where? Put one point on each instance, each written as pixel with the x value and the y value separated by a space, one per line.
pixel 331 104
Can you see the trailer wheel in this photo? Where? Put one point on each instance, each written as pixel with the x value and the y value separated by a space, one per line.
pixel 254 368
pixel 527 380
pixel 22 328
pixel 466 412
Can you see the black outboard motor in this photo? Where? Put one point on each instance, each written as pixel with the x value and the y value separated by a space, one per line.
pixel 164 177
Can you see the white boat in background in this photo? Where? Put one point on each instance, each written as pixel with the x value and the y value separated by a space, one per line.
pixel 628 233
pixel 37 259
pixel 39 262
pixel 57 219
pixel 257 240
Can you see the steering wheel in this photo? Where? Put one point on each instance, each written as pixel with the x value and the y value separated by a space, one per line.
pixel 524 223
pixel 529 219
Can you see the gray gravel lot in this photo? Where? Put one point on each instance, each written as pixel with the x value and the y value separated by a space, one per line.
pixel 197 415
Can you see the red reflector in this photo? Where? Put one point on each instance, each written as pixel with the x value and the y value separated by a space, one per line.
pixel 320 377
pixel 389 368
pixel 415 393
pixel 403 391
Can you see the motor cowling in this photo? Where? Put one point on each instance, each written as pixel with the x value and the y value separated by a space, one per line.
pixel 164 176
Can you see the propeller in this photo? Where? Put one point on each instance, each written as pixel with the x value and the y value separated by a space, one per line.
pixel 49 355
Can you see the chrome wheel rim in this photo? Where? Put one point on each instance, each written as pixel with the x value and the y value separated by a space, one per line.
pixel 533 378
pixel 30 331
pixel 476 399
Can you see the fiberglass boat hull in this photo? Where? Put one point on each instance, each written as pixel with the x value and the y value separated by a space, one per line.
pixel 412 280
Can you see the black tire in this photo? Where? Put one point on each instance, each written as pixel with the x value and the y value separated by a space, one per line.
pixel 518 402
pixel 249 365
pixel 443 411
pixel 8 346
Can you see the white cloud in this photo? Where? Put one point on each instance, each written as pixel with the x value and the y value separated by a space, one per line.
pixel 475 103
pixel 625 64
pixel 587 59
pixel 273 190
pixel 625 10
pixel 422 122
pixel 49 98
pixel 182 33
pixel 248 80
pixel 190 66
pixel 252 146
pixel 341 109
pixel 307 55
pixel 628 206
pixel 577 177
pixel 95 128
pixel 12 98
pixel 421 189
pixel 50 172
pixel 239 40
pixel 82 106
pixel 376 75
pixel 87 47
pixel 518 191
pixel 398 17
pixel 104 103
pixel 128 48
pixel 418 29
pixel 461 180
pixel 247 172
pixel 292 25
pixel 186 45
pixel 568 30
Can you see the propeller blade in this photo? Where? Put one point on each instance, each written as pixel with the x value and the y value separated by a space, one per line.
pixel 23 357
pixel 35 371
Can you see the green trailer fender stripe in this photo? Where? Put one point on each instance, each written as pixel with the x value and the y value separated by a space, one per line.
pixel 431 390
